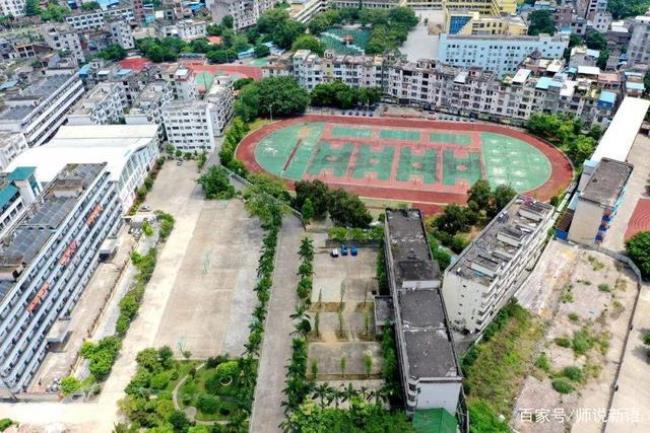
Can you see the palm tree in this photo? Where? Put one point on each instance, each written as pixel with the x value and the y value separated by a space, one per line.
pixel 347 393
pixel 321 392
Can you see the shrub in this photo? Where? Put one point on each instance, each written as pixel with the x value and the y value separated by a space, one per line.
pixel 562 386
pixel 646 338
pixel 582 341
pixel 207 403
pixel 216 184
pixel 543 363
pixel 604 288
pixel 563 342
pixel 5 423
pixel 160 380
pixel 573 373
pixel 70 385
pixel 574 317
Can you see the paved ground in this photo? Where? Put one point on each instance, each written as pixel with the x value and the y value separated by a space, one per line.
pixel 276 349
pixel 635 189
pixel 420 44
pixel 213 293
pixel 84 317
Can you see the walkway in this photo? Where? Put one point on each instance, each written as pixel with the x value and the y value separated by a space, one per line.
pixel 276 349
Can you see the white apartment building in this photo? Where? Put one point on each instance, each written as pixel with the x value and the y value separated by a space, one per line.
pixel 489 271
pixel 187 30
pixel 46 262
pixel 96 19
pixel 638 50
pixel 103 104
pixel 498 54
pixel 429 371
pixel 39 109
pixel 11 145
pixel 121 33
pixel 189 125
pixel 147 108
pixel 245 13
pixel 18 189
pixel 15 8
pixel 182 82
pixel 128 150
pixel 221 99
pixel 62 37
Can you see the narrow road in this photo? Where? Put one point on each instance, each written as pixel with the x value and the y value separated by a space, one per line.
pixel 276 349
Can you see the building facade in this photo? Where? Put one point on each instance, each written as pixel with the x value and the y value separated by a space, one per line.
pixel 15 8
pixel 189 125
pixel 490 270
pixel 428 366
pixel 18 189
pixel 46 263
pixel 96 19
pixel 244 13
pixel 104 104
pixel 39 109
pixel 497 54
pixel 147 108
pixel 11 145
pixel 638 50
pixel 62 37
pixel 121 33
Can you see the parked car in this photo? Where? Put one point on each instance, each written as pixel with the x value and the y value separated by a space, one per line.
pixel 344 250
pixel 334 252
pixel 354 250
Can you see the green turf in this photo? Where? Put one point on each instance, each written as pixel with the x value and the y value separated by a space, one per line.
pixel 328 158
pixel 422 166
pixel 400 134
pixel 347 131
pixel 456 169
pixel 369 161
pixel 450 138
pixel 513 162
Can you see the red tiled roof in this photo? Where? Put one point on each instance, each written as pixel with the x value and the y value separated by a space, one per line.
pixel 215 40
pixel 134 63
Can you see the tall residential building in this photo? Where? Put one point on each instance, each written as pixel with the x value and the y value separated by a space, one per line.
pixel 62 37
pixel 39 109
pixel 147 108
pixel 11 145
pixel 15 8
pixel 104 104
pixel 638 50
pixel 121 33
pixel 429 372
pixel 181 80
pixel 497 54
pixel 46 262
pixel 245 13
pixel 489 271
pixel 467 23
pixel 189 125
pixel 18 189
pixel 221 98
pixel 95 19
pixel 187 30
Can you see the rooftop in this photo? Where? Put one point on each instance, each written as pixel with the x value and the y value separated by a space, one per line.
pixel 23 244
pixel 500 240
pixel 425 340
pixel 607 182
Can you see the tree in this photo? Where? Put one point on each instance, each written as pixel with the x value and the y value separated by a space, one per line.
pixel 581 149
pixel 481 194
pixel 315 191
pixel 262 50
pixel 603 57
pixel 70 385
pixel 271 97
pixel 501 197
pixel 540 21
pixel 113 52
pixel 227 22
pixel 216 184
pixel 638 248
pixel 575 40
pixel 279 27
pixel 308 42
pixel 90 6
pixel 452 220
pixel 55 12
pixel 595 40
pixel 307 210
pixel 627 8
pixel 32 8
pixel 238 84
pixel 348 210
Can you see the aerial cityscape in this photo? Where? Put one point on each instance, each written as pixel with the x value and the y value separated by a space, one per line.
pixel 325 216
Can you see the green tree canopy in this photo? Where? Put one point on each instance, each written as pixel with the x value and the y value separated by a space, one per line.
pixel 541 21
pixel 627 8
pixel 216 184
pixel 308 42
pixel 32 8
pixel 112 52
pixel 638 248
pixel 275 96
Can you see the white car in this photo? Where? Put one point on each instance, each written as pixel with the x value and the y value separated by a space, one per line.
pixel 334 252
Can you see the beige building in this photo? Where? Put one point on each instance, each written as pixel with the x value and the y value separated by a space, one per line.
pixel 469 23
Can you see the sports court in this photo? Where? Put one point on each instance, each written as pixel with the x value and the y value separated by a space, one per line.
pixel 417 161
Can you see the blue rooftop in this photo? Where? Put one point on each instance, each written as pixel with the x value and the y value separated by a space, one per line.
pixel 606 96
pixel 635 86
pixel 544 83
pixel 8 84
pixel 21 173
pixel 7 194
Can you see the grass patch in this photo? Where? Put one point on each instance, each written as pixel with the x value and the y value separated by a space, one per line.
pixel 567 294
pixel 574 317
pixel 574 374
pixel 604 288
pixel 543 363
pixel 495 368
pixel 563 342
pixel 596 264
pixel 562 386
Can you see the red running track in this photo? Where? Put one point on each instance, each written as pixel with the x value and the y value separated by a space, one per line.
pixel 428 201
pixel 640 219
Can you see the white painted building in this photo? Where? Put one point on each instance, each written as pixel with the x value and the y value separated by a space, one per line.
pixel 182 81
pixel 187 30
pixel 189 125
pixel 245 13
pixel 221 99
pixel 638 49
pixel 46 261
pixel 121 33
pixel 129 151
pixel 11 145
pixel 15 8
pixel 147 108
pixel 103 104
pixel 95 19
pixel 490 270
pixel 18 189
pixel 62 37
pixel 39 109
pixel 498 54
